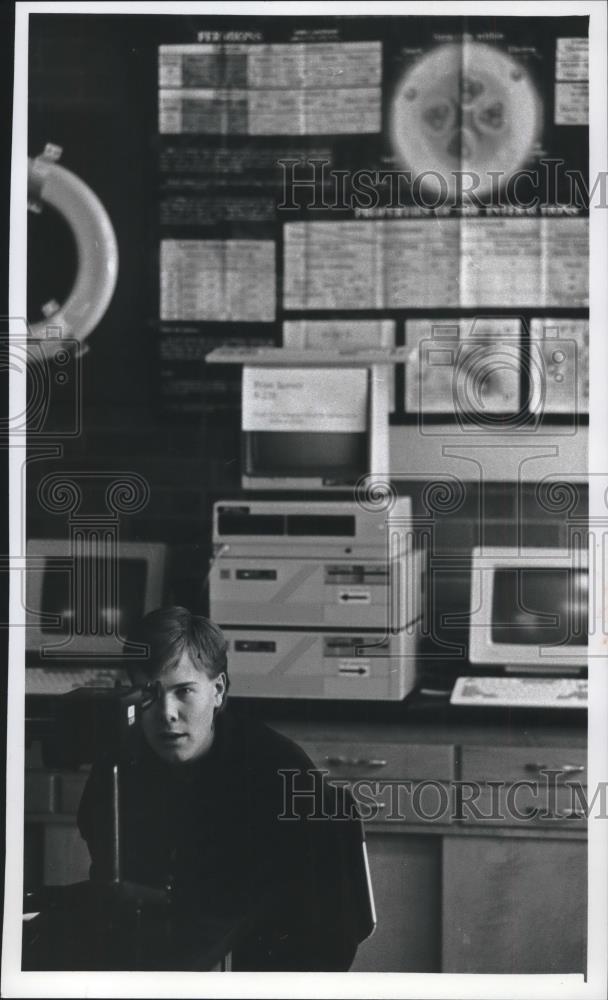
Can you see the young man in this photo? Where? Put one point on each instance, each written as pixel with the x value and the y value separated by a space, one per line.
pixel 207 814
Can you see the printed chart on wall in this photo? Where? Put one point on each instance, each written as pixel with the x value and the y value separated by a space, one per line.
pixel 353 182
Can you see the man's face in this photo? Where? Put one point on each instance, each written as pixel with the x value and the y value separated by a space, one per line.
pixel 178 724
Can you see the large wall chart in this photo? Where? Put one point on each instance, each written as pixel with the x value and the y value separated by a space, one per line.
pixel 400 180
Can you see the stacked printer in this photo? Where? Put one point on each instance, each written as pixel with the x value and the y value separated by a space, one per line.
pixel 317 599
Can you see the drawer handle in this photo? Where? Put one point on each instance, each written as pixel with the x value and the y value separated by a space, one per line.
pixel 532 811
pixel 356 761
pixel 569 814
pixel 566 768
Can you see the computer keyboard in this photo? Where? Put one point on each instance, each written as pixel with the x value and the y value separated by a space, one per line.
pixel 520 692
pixel 52 681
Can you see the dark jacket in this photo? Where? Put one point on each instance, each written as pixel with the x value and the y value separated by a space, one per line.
pixel 229 839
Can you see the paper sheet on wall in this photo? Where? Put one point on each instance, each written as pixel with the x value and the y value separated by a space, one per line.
pixel 304 399
pixel 223 280
pixel 337 334
pixel 298 65
pixel 463 366
pixel 572 103
pixel 333 265
pixel 333 334
pixel 565 259
pixel 282 89
pixel 269 112
pixel 559 370
pixel 571 59
pixel 449 262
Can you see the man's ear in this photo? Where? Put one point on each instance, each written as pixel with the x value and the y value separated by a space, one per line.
pixel 220 689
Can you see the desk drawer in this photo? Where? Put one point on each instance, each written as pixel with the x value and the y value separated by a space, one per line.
pixel 382 761
pixel 523 763
pixel 421 803
pixel 518 805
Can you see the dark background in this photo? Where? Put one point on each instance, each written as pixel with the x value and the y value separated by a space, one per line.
pixel 93 91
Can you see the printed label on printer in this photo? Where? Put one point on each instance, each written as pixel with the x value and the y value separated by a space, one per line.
pixel 354 595
pixel 353 666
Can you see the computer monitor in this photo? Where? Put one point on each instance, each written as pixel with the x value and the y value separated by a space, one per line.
pixel 529 609
pixel 81 599
pixel 284 456
pixel 314 418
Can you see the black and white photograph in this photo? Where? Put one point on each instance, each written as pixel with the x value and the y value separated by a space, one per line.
pixel 308 519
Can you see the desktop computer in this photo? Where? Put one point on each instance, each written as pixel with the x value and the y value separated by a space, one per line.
pixel 529 620
pixel 80 602
pixel 317 599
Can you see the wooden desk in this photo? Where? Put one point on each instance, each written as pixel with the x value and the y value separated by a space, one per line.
pixel 463 881
pixel 467 878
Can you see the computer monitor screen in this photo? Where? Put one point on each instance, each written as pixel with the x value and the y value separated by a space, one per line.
pixel 529 608
pixel 82 603
pixel 330 457
pixel 540 606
